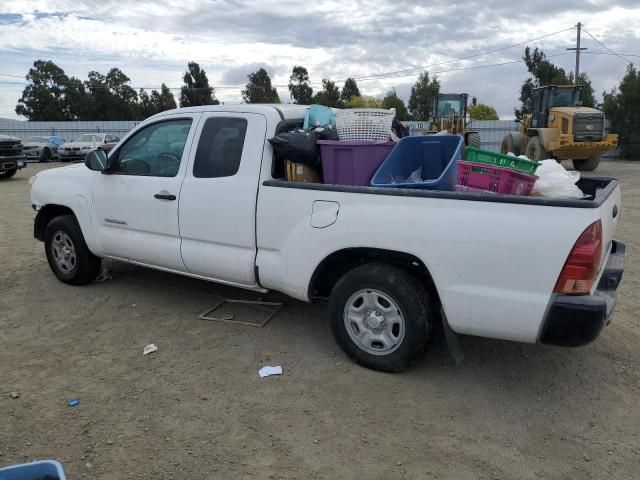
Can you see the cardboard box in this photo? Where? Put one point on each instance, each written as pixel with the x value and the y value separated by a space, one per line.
pixel 298 172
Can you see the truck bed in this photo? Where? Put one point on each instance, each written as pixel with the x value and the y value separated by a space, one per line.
pixel 596 190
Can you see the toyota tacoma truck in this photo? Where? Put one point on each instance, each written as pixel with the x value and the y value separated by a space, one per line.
pixel 200 192
pixel 12 157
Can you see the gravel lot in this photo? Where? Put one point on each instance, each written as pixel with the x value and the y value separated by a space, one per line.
pixel 197 409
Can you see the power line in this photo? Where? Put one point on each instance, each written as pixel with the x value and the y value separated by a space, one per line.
pixel 390 74
pixel 612 54
pixel 464 58
pixel 475 67
pixel 607 48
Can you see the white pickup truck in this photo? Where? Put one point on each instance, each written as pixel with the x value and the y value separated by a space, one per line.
pixel 200 192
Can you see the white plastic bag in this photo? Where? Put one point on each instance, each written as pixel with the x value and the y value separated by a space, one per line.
pixel 554 181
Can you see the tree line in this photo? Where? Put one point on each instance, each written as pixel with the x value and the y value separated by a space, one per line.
pixel 52 95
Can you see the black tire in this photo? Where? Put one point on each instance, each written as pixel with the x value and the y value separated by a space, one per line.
pixel 86 266
pixel 474 140
pixel 507 144
pixel 512 143
pixel 588 165
pixel 413 306
pixel 9 173
pixel 45 157
pixel 536 151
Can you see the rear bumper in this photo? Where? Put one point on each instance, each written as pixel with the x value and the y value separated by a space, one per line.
pixel 575 320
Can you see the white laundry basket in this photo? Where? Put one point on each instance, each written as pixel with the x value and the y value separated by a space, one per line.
pixel 364 123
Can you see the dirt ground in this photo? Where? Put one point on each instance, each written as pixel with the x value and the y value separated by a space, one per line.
pixel 197 409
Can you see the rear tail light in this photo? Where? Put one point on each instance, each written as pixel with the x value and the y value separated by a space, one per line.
pixel 581 268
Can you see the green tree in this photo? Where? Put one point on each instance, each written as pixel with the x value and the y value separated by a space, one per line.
pixel 156 102
pixel 196 89
pixel 44 97
pixel 622 107
pixel 423 93
pixel 259 89
pixel 329 96
pixel 299 87
pixel 543 72
pixel 349 90
pixel 483 112
pixel 77 101
pixel 364 101
pixel 111 96
pixel 588 94
pixel 392 100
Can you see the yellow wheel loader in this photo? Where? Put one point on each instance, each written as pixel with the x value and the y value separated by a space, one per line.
pixel 450 114
pixel 560 127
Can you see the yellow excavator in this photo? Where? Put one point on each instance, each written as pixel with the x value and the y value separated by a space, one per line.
pixel 560 127
pixel 450 114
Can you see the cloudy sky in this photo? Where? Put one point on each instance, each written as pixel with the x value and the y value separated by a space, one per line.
pixel 152 41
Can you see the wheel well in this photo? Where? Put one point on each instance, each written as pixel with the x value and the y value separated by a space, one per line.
pixel 332 268
pixel 45 215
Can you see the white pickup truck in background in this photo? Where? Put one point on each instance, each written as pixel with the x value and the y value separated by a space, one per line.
pixel 199 192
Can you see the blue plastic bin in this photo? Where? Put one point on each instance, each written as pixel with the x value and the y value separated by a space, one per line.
pixel 33 471
pixel 438 156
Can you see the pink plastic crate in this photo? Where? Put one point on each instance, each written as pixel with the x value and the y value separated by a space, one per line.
pixel 481 176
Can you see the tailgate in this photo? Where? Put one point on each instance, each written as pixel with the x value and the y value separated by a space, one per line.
pixel 609 212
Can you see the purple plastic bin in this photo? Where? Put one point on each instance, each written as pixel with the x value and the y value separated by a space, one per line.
pixel 352 162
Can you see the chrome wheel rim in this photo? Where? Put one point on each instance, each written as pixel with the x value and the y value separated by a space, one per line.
pixel 64 252
pixel 374 322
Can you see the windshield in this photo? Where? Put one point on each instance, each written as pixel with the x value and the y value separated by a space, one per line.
pixel 37 140
pixel 448 107
pixel 88 137
pixel 563 97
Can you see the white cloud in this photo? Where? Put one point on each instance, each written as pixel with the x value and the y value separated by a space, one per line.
pixel 152 40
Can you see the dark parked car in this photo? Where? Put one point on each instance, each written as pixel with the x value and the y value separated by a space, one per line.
pixel 12 157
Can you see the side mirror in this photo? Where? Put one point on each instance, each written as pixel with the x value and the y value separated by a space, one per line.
pixel 96 160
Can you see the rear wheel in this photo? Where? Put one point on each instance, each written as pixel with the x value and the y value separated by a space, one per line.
pixel 512 143
pixel 588 165
pixel 67 252
pixel 9 173
pixel 473 140
pixel 507 145
pixel 380 316
pixel 536 151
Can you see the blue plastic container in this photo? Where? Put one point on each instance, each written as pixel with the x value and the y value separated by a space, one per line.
pixel 33 471
pixel 438 156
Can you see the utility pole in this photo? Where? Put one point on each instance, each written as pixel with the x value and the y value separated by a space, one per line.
pixel 578 50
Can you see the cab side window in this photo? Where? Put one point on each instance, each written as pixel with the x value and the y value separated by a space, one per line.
pixel 155 151
pixel 220 147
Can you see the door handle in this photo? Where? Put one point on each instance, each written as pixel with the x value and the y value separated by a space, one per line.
pixel 165 196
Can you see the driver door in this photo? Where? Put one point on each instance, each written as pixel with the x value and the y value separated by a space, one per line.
pixel 136 203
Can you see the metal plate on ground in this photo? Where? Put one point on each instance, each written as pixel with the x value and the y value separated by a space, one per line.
pixel 242 312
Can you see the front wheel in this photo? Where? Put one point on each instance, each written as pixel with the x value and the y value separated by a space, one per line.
pixel 588 165
pixel 380 316
pixel 46 156
pixel 536 150
pixel 8 173
pixel 67 253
